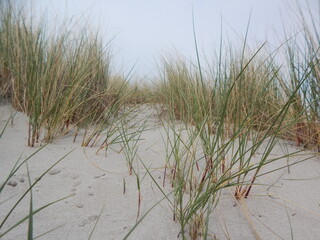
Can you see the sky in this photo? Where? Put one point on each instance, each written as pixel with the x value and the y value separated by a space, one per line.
pixel 144 30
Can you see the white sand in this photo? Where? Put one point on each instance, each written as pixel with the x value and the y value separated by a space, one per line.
pixel 95 181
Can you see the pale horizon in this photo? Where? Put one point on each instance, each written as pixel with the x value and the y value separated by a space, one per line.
pixel 142 31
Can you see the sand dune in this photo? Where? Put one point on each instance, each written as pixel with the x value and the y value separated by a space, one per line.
pixel 285 206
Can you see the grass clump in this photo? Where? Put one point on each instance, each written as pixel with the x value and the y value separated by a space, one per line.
pixel 218 117
pixel 225 118
pixel 303 60
pixel 58 80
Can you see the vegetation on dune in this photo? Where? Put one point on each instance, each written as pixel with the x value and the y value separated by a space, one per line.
pixel 217 118
pixel 57 80
pixel 227 112
pixel 225 119
pixel 303 60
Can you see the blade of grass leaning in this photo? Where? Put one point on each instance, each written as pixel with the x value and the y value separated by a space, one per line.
pixel 33 213
pixel 143 216
pixel 16 167
pixel 26 192
pixel 289 220
pixel 153 206
pixel 30 224
pixel 5 125
pixel 45 233
pixel 95 224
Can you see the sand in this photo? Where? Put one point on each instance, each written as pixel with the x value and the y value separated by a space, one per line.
pixel 286 206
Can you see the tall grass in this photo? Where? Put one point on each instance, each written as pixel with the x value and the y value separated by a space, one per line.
pixel 225 118
pixel 59 80
pixel 226 111
pixel 303 59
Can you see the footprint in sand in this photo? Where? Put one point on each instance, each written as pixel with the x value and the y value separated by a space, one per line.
pixel 76 184
pixel 88 220
pixel 75 176
pixel 12 183
pixel 54 171
pixel 79 205
pixel 99 176
pixel 93 217
pixel 83 223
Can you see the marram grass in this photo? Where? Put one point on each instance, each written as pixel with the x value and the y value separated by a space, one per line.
pixel 217 117
pixel 60 80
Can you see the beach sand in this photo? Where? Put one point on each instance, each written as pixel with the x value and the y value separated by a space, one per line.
pixel 285 206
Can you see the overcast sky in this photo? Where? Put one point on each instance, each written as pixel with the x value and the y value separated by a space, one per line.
pixel 146 29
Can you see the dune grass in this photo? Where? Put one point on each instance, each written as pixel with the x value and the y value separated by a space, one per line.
pixel 223 124
pixel 218 117
pixel 58 80
pixel 226 113
pixel 303 59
